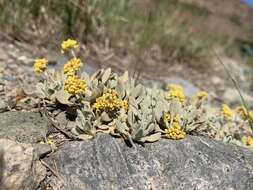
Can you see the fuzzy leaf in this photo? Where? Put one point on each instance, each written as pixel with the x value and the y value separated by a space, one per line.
pixel 120 90
pixel 71 125
pixel 63 97
pixel 137 135
pixel 103 127
pixel 130 117
pixel 96 74
pixel 151 138
pixel 123 78
pixel 83 121
pixel 112 83
pixel 105 117
pixel 122 128
pixel 106 75
pixel 136 91
pixel 175 108
pixel 40 87
pixel 86 77
pixel 85 137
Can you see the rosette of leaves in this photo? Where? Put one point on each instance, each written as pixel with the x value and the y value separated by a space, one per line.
pixel 99 82
pixel 46 89
pixel 84 126
pixel 146 107
pixel 101 120
pixel 201 119
pixel 51 92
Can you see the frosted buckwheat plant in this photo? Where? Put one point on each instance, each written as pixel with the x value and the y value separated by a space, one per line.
pixel 106 102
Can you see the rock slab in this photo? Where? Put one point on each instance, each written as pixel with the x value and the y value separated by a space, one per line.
pixel 19 170
pixel 24 127
pixel 195 163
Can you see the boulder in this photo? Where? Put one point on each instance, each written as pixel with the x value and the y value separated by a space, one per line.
pixel 25 127
pixel 18 167
pixel 193 163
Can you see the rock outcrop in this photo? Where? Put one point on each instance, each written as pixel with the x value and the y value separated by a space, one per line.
pixel 193 163
pixel 20 168
pixel 24 127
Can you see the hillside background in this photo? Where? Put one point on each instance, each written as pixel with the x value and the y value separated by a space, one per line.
pixel 153 39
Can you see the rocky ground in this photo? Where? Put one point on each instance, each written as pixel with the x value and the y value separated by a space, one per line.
pixel 109 163
pixel 106 162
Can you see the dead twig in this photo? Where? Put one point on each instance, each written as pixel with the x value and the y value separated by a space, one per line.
pixel 56 173
pixel 44 113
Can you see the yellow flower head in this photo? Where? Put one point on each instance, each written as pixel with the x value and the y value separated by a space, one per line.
pixel 167 118
pixel 175 132
pixel 202 95
pixel 69 44
pixel 247 140
pixel 176 92
pixel 40 65
pixel 74 85
pixel 226 112
pixel 110 101
pixel 72 66
pixel 242 111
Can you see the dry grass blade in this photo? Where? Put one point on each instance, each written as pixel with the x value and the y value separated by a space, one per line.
pixel 45 114
pixel 55 172
pixel 237 87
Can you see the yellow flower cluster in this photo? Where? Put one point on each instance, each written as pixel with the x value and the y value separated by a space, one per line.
pixel 49 140
pixel 176 92
pixel 202 95
pixel 248 141
pixel 226 112
pixel 109 101
pixel 69 44
pixel 244 114
pixel 175 132
pixel 72 66
pixel 75 85
pixel 167 118
pixel 40 65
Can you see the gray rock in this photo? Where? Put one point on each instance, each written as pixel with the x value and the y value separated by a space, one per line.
pixel 193 163
pixel 3 106
pixel 25 127
pixel 19 170
pixel 216 80
pixel 25 60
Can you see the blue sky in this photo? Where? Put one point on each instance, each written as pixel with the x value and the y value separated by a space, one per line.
pixel 248 1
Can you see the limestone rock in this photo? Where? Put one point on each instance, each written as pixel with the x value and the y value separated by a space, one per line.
pixel 19 170
pixel 25 127
pixel 193 163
